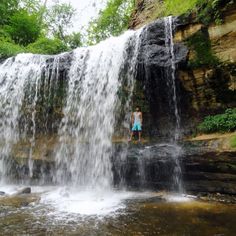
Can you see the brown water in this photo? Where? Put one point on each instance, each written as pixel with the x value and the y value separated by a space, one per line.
pixel 150 216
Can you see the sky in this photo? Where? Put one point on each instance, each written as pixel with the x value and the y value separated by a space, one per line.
pixel 86 10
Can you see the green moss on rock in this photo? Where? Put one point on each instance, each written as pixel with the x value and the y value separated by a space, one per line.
pixel 200 44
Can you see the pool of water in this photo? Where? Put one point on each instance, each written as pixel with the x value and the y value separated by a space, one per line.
pixel 63 211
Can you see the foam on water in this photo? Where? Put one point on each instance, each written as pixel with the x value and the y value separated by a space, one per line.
pixel 179 198
pixel 64 201
pixel 9 189
pixel 85 202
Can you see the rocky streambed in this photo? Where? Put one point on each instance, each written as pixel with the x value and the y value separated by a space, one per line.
pixel 147 206
pixel 44 212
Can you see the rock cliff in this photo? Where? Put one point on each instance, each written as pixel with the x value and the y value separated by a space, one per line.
pixel 208 76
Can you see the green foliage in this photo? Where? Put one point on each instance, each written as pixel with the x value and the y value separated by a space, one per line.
pixel 112 21
pixel 7 9
pixel 219 123
pixel 211 10
pixel 74 40
pixel 233 142
pixel 178 7
pixel 23 28
pixel 59 19
pixel 47 46
pixel 4 36
pixel 31 6
pixel 25 25
pixel 206 10
pixel 8 49
pixel 201 45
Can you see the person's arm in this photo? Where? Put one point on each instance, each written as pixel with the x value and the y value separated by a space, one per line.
pixel 141 118
pixel 132 118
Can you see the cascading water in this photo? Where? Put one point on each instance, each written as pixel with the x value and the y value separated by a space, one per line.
pixel 95 76
pixel 94 79
pixel 169 43
pixel 83 98
pixel 16 76
pixel 85 147
pixel 74 104
pixel 159 57
pixel 171 80
pixel 25 81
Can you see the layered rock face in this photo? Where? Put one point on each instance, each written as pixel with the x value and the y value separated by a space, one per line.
pixel 210 79
pixel 146 11
pixel 204 57
pixel 210 172
pixel 208 76
pixel 157 91
pixel 203 169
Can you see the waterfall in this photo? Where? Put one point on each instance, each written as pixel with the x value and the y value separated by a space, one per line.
pixel 97 73
pixel 169 43
pixel 93 79
pixel 25 81
pixel 83 98
pixel 171 80
pixel 17 75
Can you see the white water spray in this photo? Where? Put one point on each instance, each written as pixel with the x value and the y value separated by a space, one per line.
pixel 85 146
pixel 169 43
pixel 17 75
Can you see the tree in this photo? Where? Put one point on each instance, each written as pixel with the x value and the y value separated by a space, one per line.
pixel 59 19
pixel 112 21
pixel 74 40
pixel 47 46
pixel 24 28
pixel 7 9
pixel 31 6
pixel 25 25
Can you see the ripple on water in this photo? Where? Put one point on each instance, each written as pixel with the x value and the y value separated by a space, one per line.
pixel 117 213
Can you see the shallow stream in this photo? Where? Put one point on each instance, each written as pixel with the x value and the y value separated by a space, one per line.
pixel 63 211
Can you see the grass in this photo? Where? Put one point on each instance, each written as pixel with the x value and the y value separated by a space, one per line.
pixel 233 142
pixel 207 11
pixel 178 7
pixel 174 7
pixel 8 49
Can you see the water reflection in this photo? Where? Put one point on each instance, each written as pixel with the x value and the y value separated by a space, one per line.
pixel 133 214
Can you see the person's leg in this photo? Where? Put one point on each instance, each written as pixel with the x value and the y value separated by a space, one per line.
pixel 139 132
pixel 131 135
pixel 132 132
pixel 139 136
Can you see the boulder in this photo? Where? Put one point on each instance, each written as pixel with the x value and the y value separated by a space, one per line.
pixel 26 190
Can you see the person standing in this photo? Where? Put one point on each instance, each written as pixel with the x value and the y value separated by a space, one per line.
pixel 136 121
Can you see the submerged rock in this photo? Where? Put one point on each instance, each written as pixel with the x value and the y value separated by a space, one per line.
pixel 2 193
pixel 18 201
pixel 24 191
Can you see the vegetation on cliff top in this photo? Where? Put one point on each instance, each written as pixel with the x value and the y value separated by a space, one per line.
pixel 233 142
pixel 206 10
pixel 115 18
pixel 28 26
pixel 112 21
